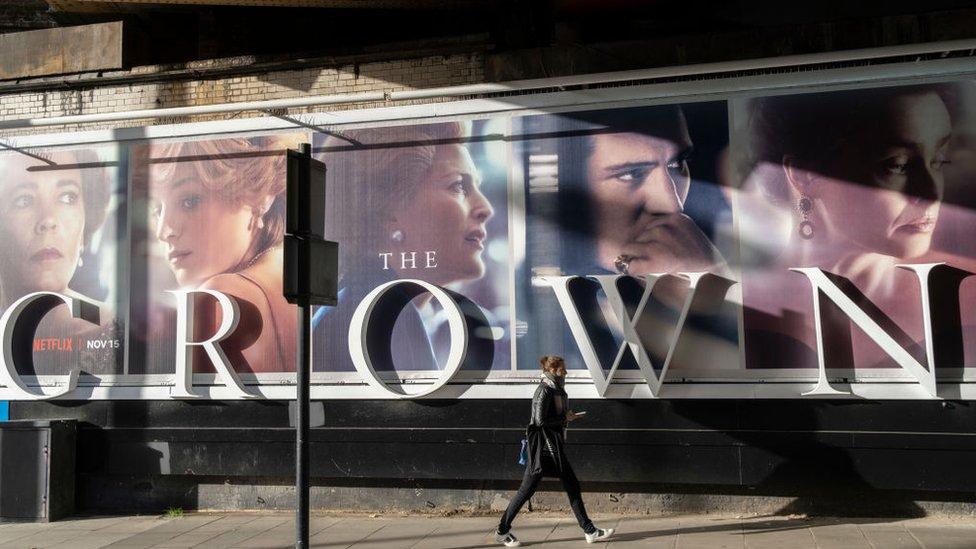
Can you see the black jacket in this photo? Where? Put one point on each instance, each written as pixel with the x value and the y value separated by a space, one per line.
pixel 546 430
pixel 549 406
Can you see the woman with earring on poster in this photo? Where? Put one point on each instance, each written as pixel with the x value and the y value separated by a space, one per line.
pixel 218 208
pixel 546 448
pixel 403 202
pixel 858 177
pixel 48 215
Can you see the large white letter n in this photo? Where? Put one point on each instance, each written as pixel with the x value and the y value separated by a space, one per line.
pixel 825 289
pixel 229 316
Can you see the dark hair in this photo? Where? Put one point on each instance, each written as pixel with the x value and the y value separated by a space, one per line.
pixel 551 363
pixel 812 127
pixel 574 133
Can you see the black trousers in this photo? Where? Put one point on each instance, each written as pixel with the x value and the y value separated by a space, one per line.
pixel 530 483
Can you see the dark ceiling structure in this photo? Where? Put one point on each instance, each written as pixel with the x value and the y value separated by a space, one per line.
pixel 534 37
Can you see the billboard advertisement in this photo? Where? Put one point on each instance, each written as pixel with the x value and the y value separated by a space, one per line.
pixel 765 245
pixel 63 227
pixel 424 202
pixel 211 216
pixel 856 183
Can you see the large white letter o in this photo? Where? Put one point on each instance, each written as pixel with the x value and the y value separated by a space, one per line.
pixel 359 328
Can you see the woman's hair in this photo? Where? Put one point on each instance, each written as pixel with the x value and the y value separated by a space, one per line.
pixel 372 173
pixel 551 363
pixel 811 128
pixel 239 170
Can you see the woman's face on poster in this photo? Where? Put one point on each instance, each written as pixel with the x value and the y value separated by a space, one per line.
pixel 43 223
pixel 634 179
pixel 888 184
pixel 447 215
pixel 206 233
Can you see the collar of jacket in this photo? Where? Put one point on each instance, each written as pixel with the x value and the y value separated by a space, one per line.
pixel 554 382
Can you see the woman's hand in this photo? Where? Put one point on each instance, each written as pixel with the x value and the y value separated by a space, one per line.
pixel 670 243
pixel 572 416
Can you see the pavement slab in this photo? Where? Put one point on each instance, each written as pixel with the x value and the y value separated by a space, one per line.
pixel 410 532
pixel 268 530
pixel 645 533
pixel 838 535
pixel 944 536
pixel 254 527
pixel 700 532
pixel 452 533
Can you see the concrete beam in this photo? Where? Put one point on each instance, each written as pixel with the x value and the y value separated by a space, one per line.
pixel 64 50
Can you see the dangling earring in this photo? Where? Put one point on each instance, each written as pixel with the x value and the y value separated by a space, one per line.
pixel 805 228
pixel 81 262
pixel 397 236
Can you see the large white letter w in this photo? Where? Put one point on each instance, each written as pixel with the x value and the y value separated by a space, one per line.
pixel 705 290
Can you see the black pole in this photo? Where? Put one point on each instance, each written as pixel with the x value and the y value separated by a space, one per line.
pixel 301 422
pixel 305 247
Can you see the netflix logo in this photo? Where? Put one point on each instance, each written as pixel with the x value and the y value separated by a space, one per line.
pixel 53 344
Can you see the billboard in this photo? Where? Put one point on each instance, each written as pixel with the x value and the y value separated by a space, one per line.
pixel 859 184
pixel 757 245
pixel 63 229
pixel 211 216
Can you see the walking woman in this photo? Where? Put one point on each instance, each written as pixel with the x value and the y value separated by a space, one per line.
pixel 546 436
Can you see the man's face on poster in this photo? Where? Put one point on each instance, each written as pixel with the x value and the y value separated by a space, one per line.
pixel 637 185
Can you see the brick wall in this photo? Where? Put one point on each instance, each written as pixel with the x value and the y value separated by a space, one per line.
pixel 156 88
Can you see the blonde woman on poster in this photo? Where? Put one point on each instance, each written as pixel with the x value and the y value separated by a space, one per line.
pixel 218 209
pixel 403 202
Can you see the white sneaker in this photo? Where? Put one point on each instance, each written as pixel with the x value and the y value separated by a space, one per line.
pixel 599 535
pixel 508 540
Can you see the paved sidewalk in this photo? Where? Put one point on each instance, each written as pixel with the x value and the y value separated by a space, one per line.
pixel 267 530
